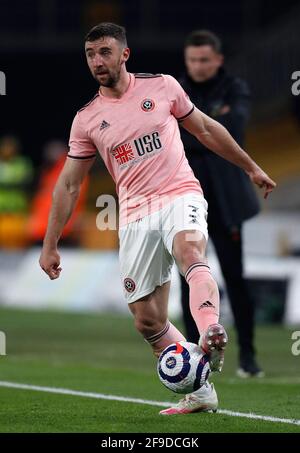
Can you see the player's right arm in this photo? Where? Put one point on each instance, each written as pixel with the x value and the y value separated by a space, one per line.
pixel 64 199
pixel 213 135
pixel 216 138
pixel 80 159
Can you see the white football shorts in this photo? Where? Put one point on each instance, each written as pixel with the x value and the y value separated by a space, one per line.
pixel 145 253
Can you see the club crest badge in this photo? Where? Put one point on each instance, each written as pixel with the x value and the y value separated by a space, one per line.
pixel 129 285
pixel 147 105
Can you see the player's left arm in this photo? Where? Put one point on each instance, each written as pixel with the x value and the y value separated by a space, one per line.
pixel 216 137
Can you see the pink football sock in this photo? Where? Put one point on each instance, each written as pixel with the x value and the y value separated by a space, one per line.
pixel 204 296
pixel 164 338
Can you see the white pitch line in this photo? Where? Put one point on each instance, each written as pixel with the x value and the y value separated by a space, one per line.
pixel 102 396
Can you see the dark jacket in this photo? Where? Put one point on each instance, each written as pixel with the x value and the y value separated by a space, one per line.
pixel 223 183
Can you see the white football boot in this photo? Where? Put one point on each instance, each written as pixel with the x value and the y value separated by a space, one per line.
pixel 202 400
pixel 213 342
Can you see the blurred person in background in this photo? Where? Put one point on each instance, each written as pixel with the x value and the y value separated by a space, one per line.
pixel 227 189
pixel 54 157
pixel 16 174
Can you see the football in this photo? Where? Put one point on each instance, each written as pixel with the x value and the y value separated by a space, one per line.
pixel 182 367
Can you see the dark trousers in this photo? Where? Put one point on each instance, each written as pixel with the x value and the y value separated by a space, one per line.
pixel 228 247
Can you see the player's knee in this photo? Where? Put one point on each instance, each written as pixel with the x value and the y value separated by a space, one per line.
pixel 189 254
pixel 148 326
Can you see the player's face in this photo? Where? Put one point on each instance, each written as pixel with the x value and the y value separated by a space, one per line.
pixel 105 58
pixel 202 62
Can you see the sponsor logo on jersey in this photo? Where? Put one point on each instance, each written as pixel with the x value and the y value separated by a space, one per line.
pixel 141 148
pixel 123 153
pixel 147 105
pixel 129 285
pixel 147 143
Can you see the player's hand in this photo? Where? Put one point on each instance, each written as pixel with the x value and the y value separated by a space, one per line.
pixel 262 180
pixel 50 263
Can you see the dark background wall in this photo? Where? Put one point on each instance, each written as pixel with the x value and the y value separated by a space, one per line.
pixel 41 51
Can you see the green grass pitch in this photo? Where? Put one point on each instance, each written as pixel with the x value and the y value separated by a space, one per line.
pixel 104 354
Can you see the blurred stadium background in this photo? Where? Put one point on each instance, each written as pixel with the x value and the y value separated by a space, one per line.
pixel 47 81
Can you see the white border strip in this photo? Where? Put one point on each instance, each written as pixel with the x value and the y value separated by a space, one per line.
pixel 102 396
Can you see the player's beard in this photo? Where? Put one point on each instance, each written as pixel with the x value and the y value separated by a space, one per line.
pixel 113 78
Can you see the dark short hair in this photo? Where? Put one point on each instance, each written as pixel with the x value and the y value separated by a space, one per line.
pixel 107 29
pixel 204 38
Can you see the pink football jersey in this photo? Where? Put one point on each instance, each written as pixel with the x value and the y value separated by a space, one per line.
pixel 139 141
